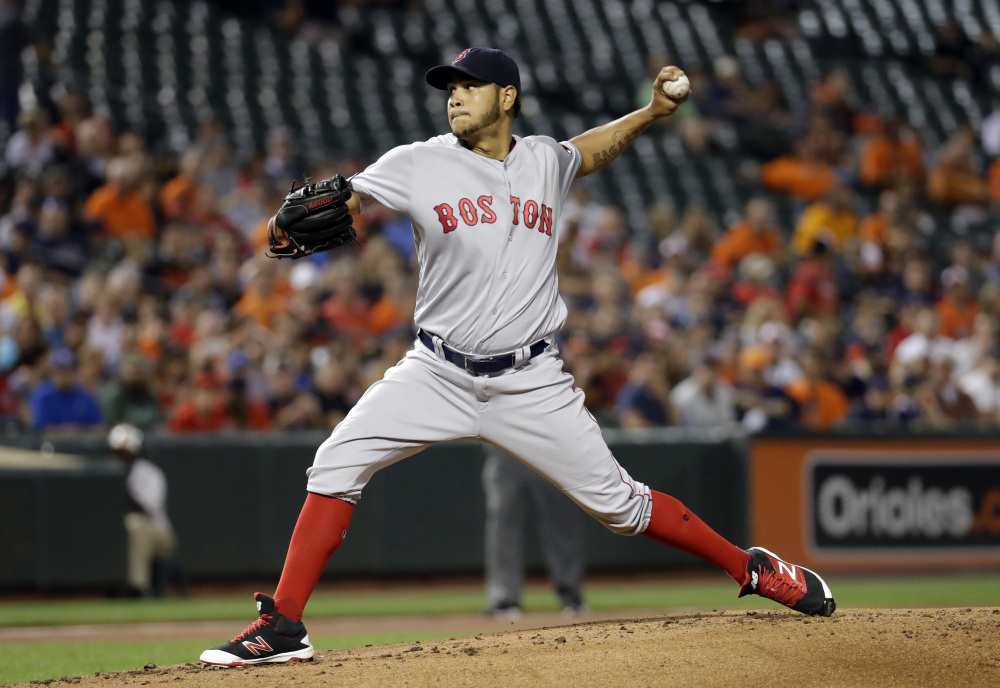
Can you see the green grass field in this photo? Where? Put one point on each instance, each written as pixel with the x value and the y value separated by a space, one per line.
pixel 20 662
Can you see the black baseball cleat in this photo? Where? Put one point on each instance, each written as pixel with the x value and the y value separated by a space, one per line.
pixel 795 587
pixel 271 638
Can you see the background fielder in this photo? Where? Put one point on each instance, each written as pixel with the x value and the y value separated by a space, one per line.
pixel 485 209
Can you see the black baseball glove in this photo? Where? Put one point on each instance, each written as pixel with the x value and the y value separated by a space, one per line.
pixel 313 218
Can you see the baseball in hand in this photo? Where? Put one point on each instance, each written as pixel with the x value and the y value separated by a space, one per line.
pixel 677 89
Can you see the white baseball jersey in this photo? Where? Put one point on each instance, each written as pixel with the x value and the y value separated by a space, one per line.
pixel 486 238
pixel 485 233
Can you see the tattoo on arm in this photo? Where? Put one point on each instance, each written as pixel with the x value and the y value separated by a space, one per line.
pixel 620 140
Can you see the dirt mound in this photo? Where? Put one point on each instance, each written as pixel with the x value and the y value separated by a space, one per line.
pixel 870 647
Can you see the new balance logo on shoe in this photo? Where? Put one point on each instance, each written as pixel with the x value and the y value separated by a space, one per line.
pixel 785 567
pixel 257 647
pixel 796 587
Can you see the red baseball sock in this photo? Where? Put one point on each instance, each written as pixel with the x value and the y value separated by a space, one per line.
pixel 321 527
pixel 673 524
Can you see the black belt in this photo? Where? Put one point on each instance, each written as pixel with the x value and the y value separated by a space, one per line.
pixel 480 365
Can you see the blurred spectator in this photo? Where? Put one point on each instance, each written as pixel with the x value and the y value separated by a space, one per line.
pixel 59 244
pixel 803 174
pixel 30 148
pixel 891 213
pixel 240 412
pixel 25 299
pixel 334 394
pixel 759 405
pixel 74 109
pixel 917 287
pixel 832 219
pixel 104 331
pixel 131 398
pixel 943 403
pixel 703 400
pixel 822 404
pixel 292 408
pixel 776 339
pixel 756 274
pixel 265 295
pixel 118 206
pixel 60 403
pixel 957 309
pixel 812 290
pixel 644 400
pixel 873 407
pixel 982 384
pixel 955 180
pixel 972 350
pixel 203 411
pixel 890 155
pixel 834 99
pixel 179 196
pixel 755 233
pixel 925 341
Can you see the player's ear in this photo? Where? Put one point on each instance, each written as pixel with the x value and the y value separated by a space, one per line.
pixel 508 95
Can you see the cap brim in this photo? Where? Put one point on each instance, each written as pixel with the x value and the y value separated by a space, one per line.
pixel 439 76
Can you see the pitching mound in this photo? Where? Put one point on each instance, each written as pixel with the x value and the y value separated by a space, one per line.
pixel 855 647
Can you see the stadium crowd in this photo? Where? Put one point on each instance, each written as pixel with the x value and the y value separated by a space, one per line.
pixel 134 285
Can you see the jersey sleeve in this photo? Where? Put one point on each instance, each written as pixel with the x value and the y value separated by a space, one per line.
pixel 387 182
pixel 570 160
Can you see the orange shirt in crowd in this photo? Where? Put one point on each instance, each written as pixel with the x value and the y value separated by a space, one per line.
pixel 263 307
pixel 804 179
pixel 178 197
pixel 954 186
pixel 121 216
pixel 387 314
pixel 956 318
pixel 883 161
pixel 822 220
pixel 823 404
pixel 741 240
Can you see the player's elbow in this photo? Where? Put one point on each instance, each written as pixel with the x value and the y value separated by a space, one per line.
pixel 354 204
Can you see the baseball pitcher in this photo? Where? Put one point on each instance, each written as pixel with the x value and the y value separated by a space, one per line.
pixel 485 207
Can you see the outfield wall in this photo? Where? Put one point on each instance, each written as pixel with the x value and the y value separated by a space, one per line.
pixel 234 501
pixel 864 503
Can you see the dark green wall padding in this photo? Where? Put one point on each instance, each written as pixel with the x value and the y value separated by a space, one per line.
pixel 234 502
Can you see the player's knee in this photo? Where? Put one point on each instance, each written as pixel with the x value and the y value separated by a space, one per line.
pixel 623 524
pixel 622 505
pixel 628 516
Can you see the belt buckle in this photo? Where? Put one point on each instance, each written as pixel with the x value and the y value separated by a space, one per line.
pixel 475 360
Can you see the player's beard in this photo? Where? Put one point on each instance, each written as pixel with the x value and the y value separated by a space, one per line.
pixel 489 118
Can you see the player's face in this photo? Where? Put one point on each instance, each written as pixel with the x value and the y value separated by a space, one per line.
pixel 472 106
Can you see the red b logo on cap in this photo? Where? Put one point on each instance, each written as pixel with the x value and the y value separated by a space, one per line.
pixel 461 55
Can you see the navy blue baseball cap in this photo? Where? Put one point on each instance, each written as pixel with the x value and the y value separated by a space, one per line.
pixel 484 64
